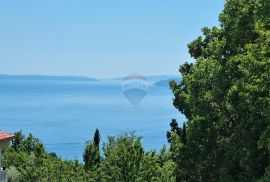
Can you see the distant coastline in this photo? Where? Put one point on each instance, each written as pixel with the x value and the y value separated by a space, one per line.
pixel 156 79
pixel 45 77
pixel 166 83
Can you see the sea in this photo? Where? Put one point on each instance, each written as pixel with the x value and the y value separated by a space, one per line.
pixel 64 114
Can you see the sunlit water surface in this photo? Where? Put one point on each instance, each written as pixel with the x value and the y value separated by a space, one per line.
pixel 65 114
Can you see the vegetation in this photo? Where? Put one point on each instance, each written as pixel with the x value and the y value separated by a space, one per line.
pixel 27 160
pixel 124 160
pixel 225 97
pixel 91 154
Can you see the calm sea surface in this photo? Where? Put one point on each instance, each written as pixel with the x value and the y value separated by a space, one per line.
pixel 65 114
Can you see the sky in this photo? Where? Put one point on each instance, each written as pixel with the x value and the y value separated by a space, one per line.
pixel 100 38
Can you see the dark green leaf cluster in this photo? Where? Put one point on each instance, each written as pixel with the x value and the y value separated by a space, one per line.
pixel 225 96
pixel 27 160
pixel 123 160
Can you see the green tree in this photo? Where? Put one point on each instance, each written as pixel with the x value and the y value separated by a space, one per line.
pixel 166 166
pixel 91 154
pixel 125 160
pixel 123 157
pixel 17 142
pixel 27 160
pixel 97 138
pixel 224 95
pixel 184 134
pixel 149 168
pixel 174 128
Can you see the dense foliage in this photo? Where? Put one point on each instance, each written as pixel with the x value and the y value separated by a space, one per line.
pixel 124 160
pixel 225 96
pixel 27 160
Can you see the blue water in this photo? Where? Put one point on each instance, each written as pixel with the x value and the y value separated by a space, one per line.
pixel 65 114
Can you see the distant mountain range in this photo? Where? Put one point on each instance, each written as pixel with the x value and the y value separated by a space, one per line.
pixel 159 80
pixel 43 77
pixel 154 78
pixel 166 82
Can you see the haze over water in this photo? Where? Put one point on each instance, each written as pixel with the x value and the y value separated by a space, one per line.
pixel 64 114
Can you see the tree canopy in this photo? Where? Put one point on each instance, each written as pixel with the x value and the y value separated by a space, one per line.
pixel 225 97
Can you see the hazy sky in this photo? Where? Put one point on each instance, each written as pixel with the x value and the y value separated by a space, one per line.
pixel 100 38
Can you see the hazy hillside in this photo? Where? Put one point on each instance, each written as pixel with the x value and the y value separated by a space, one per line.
pixel 166 82
pixel 155 78
pixel 43 77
